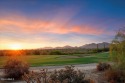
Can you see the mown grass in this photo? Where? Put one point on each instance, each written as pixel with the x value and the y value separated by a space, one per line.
pixel 47 60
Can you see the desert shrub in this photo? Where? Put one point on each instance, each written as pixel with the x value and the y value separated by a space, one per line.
pixel 14 68
pixel 106 49
pixel 103 66
pixel 70 75
pixel 44 52
pixel 67 75
pixel 36 52
pixel 56 53
pixel 115 76
pixel 2 53
pixel 35 77
pixel 117 49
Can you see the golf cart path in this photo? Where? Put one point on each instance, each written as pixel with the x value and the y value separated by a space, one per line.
pixel 79 66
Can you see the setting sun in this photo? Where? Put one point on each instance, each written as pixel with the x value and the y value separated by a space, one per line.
pixel 15 46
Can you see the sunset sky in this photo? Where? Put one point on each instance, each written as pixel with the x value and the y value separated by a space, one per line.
pixel 43 23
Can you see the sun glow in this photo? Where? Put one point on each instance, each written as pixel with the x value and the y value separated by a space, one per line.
pixel 15 46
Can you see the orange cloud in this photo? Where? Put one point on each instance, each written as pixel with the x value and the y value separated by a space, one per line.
pixel 87 30
pixel 31 26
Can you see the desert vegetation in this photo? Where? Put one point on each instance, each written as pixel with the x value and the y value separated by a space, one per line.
pixel 103 66
pixel 67 75
pixel 117 49
pixel 15 66
pixel 115 75
pixel 68 51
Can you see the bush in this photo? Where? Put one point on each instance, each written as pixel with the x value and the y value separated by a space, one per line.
pixel 103 66
pixel 70 75
pixel 15 68
pixel 35 77
pixel 67 75
pixel 36 52
pixel 117 49
pixel 115 76
pixel 56 53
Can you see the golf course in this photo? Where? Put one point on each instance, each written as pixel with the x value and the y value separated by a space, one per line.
pixel 53 60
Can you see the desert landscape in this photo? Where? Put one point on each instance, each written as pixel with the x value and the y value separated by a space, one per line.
pixel 62 41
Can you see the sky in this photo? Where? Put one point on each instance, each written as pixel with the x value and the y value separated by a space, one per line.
pixel 44 23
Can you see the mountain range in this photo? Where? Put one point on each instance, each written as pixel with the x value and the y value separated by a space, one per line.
pixel 86 46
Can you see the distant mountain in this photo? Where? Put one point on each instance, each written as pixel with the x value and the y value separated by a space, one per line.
pixel 64 47
pixel 67 46
pixel 94 45
pixel 47 48
pixel 86 46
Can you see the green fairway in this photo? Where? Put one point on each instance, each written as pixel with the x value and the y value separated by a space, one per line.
pixel 46 60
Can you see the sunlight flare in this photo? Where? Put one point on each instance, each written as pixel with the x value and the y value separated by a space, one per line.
pixel 15 46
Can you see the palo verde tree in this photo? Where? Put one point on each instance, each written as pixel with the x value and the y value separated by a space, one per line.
pixel 117 48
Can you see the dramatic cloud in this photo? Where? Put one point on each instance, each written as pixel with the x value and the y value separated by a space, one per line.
pixel 34 26
pixel 40 23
